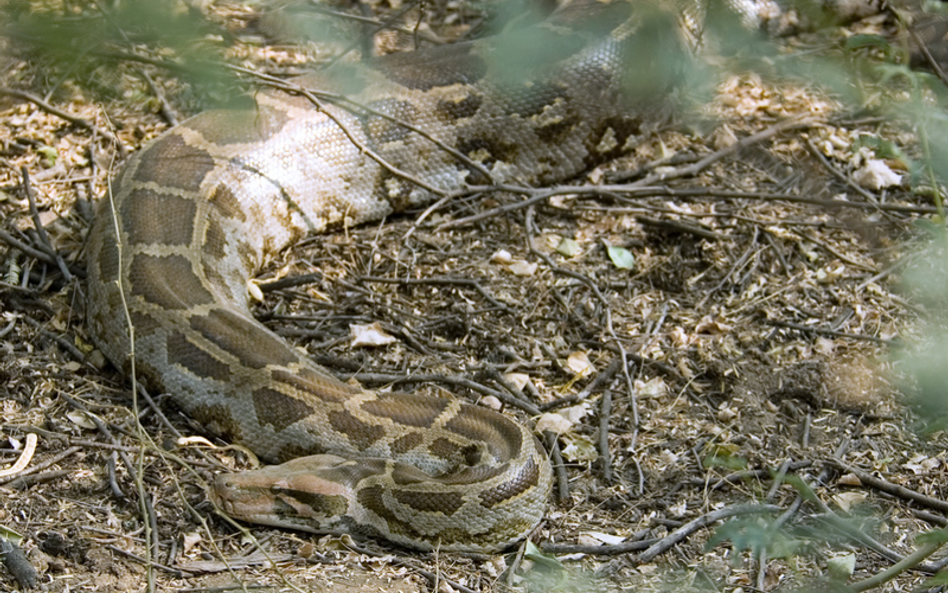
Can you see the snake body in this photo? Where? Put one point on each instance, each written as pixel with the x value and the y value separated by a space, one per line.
pixel 194 215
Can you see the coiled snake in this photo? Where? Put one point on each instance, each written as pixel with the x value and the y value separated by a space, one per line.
pixel 204 207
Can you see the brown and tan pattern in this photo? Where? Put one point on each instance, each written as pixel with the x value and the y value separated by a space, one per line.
pixel 201 209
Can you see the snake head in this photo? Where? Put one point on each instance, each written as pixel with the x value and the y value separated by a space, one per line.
pixel 304 494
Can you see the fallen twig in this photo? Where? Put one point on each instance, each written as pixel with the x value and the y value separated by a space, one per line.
pixel 75 120
pixel 559 467
pixel 598 381
pixel 890 488
pixel 829 332
pixel 605 410
pixel 42 465
pixel 40 229
pixel 686 530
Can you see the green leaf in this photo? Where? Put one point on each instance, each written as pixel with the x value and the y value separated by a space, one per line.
pixel 49 155
pixel 10 535
pixel 621 257
pixel 860 41
pixel 801 486
pixel 724 455
pixel 935 536
pixel 538 557
pixel 883 149
pixel 756 534
pixel 934 228
pixel 939 579
pixel 841 567
pixel 727 461
pixel 567 248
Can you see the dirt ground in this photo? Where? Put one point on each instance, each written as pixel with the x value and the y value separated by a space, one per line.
pixel 751 353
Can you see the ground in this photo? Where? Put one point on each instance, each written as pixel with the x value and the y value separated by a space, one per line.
pixel 738 334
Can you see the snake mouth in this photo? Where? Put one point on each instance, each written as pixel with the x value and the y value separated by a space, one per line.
pixel 217 494
pixel 297 494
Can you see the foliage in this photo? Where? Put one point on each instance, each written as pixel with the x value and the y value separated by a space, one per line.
pixel 90 44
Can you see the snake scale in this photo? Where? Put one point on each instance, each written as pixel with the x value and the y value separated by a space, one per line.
pixel 194 215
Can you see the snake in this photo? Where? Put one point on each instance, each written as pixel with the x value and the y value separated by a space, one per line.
pixel 191 218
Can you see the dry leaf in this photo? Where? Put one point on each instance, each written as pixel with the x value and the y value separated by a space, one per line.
pixel 501 257
pixel 875 174
pixel 579 448
pixel 653 388
pixel 563 420
pixel 80 418
pixel 667 458
pixel 847 500
pixel 306 549
pixel 553 422
pixel 489 401
pixel 849 480
pixel 712 325
pixel 604 538
pixel 520 380
pixel 189 540
pixel 522 268
pixel 579 363
pixel 369 335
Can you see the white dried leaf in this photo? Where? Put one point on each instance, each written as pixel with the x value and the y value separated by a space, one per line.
pixel 653 388
pixel 579 363
pixel 563 202
pixel 712 325
pixel 847 500
pixel 579 448
pixel 584 539
pixel 547 242
pixel 189 540
pixel 520 380
pixel 667 458
pixel 605 538
pixel 596 175
pixel 680 338
pixel 922 465
pixel 875 174
pixel 496 565
pixel 194 440
pixel 553 422
pixel 678 510
pixel 489 401
pixel 825 346
pixel 562 421
pixel 830 275
pixel 522 268
pixel 724 137
pixel 369 335
pixel 726 414
pixel 502 257
pixel 574 413
pixel 82 419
